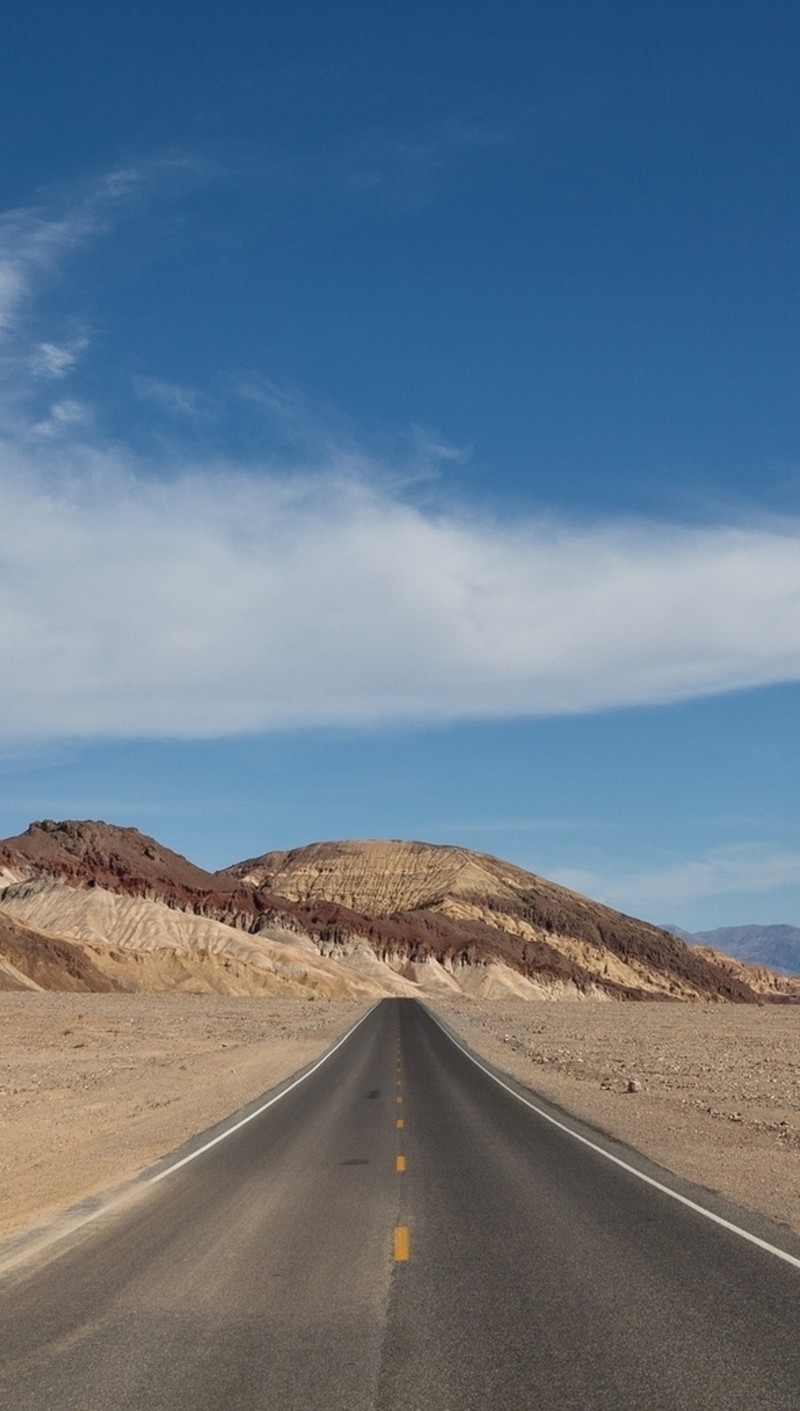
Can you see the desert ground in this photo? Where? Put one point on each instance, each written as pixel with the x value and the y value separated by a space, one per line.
pixel 94 1088
pixel 718 1097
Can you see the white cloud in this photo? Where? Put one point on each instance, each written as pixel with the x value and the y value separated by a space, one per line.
pixel 743 868
pixel 172 397
pixel 56 360
pixel 400 165
pixel 12 290
pixel 31 243
pixel 162 597
pixel 65 415
pixel 122 181
pixel 316 428
pixel 218 602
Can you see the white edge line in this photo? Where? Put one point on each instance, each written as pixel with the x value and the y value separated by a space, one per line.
pixel 617 1161
pixel 37 1246
pixel 251 1116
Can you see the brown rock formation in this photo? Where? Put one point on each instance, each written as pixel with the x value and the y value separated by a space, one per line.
pixel 467 908
pixel 356 918
pixel 33 960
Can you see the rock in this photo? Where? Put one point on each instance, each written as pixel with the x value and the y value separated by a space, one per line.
pixel 634 1086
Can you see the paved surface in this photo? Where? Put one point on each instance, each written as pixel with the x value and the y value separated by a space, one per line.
pixel 296 1265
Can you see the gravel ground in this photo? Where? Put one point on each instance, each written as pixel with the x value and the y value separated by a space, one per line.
pixel 716 1087
pixel 96 1087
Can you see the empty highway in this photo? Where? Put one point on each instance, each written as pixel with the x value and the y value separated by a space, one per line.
pixel 399 1231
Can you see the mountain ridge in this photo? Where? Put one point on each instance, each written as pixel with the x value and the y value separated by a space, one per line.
pixel 370 916
pixel 775 946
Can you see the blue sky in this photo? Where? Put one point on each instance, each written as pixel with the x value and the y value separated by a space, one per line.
pixel 399 432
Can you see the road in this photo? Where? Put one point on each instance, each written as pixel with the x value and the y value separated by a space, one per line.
pixel 399 1232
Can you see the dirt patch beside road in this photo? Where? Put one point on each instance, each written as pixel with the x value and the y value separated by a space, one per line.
pixel 718 1097
pixel 94 1087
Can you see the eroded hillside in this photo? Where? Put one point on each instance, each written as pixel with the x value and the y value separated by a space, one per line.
pixel 350 919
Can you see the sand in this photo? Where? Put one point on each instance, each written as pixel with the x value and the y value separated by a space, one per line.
pixel 94 1088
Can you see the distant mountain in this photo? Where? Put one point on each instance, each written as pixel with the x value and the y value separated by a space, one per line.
pixel 687 936
pixel 94 905
pixel 775 946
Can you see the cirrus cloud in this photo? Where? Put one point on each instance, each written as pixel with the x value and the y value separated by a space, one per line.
pixel 738 870
pixel 215 601
pixel 167 596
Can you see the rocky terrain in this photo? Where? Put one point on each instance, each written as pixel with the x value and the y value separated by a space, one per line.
pixel 94 1087
pixel 35 960
pixel 87 905
pixel 709 1091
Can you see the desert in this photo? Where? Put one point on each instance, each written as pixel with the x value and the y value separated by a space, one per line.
pixel 142 1000
pixel 710 1091
pixel 86 904
pixel 96 1087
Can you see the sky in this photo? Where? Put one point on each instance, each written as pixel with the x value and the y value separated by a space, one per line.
pixel 400 434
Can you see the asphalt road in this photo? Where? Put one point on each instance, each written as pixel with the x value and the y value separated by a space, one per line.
pixel 399 1233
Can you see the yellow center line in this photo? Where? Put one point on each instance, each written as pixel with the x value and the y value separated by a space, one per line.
pixel 401 1242
pixel 400 1163
pixel 398 1099
pixel 399 1124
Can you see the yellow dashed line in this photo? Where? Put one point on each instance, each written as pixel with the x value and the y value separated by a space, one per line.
pixel 400 1123
pixel 400 1163
pixel 401 1242
pixel 398 1099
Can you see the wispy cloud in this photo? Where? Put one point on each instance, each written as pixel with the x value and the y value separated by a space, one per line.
pixel 35 244
pixel 220 601
pixel 57 359
pixel 30 244
pixel 33 241
pixel 182 597
pixel 320 435
pixel 64 415
pixel 316 428
pixel 402 166
pixel 172 397
pixel 741 869
pixel 427 149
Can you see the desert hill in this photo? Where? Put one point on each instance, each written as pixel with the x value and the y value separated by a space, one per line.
pixel 36 960
pixel 461 903
pixel 775 946
pixel 770 984
pixel 355 919
pixel 101 854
